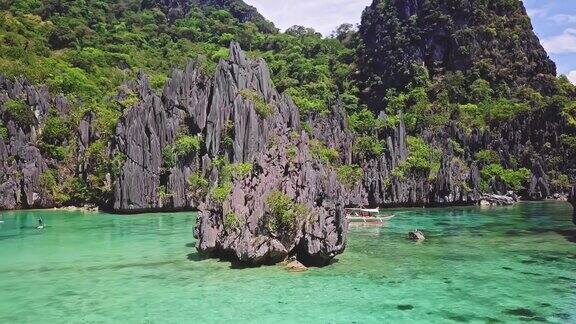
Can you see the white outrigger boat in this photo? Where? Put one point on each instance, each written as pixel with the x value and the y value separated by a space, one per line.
pixel 366 215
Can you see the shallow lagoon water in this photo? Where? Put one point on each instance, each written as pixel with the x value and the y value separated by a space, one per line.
pixel 478 265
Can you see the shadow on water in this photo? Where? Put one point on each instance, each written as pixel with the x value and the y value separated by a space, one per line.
pixel 195 256
pixel 569 235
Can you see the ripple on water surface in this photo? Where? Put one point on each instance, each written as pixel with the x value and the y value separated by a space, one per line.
pixel 477 265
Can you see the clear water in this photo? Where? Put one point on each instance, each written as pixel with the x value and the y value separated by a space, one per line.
pixel 477 265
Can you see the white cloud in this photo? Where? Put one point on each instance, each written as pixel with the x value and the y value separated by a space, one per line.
pixel 537 12
pixel 572 76
pixel 561 44
pixel 322 15
pixel 563 19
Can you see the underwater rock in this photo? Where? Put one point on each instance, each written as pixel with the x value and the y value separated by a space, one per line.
pixel 296 266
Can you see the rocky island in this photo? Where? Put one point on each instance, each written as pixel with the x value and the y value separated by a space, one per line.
pixel 424 105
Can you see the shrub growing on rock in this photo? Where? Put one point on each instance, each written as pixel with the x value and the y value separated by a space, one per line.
pixel 350 175
pixel 323 153
pixel 488 157
pixel 368 146
pixel 231 222
pixel 161 192
pixel 184 145
pixel 421 158
pixel 3 131
pixel 117 163
pixel 569 112
pixel 56 130
pixel 50 182
pixel 19 112
pixel 198 184
pixel 187 144
pixel 168 157
pixel 237 170
pixel 284 211
pixel 222 192
pixel 263 109
pixel 514 179
pixel 57 152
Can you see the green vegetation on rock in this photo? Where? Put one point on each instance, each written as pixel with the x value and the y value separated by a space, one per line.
pixel 514 179
pixel 231 222
pixel 187 144
pixel 263 109
pixel 368 145
pixel 421 158
pixel 18 111
pixel 198 185
pixel 3 131
pixel 50 182
pixel 237 170
pixel 183 146
pixel 284 211
pixel 222 191
pixel 321 152
pixel 349 175
pixel 487 157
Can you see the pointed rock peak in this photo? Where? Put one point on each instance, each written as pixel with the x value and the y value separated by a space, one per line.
pixel 142 84
pixel 237 55
pixel 141 77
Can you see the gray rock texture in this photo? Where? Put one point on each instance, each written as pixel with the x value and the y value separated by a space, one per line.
pixel 416 236
pixel 278 150
pixel 241 118
pixel 497 200
pixel 287 167
pixel 21 162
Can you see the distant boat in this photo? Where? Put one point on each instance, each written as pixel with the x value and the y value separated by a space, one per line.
pixel 366 215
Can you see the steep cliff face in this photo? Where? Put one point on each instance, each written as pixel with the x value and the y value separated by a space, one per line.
pixel 24 110
pixel 449 52
pixel 455 183
pixel 249 227
pixel 493 40
pixel 221 110
pixel 245 225
pixel 242 119
pixel 142 133
pixel 534 140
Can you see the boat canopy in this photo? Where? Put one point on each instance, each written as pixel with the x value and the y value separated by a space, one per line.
pixel 364 210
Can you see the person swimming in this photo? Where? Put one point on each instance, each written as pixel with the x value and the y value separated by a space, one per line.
pixel 40 223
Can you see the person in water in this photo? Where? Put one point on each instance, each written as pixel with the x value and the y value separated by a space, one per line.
pixel 40 223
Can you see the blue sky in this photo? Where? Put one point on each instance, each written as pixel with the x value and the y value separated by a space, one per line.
pixel 554 21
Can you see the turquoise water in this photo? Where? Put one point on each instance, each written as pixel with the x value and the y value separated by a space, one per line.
pixel 505 264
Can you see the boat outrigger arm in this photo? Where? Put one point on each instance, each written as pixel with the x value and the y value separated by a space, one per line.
pixel 366 215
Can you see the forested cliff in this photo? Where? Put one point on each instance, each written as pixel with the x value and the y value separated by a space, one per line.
pixel 145 106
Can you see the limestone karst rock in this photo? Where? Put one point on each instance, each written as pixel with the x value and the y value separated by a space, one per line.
pixel 21 162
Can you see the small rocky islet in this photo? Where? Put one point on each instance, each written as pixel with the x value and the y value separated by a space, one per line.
pixel 272 181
